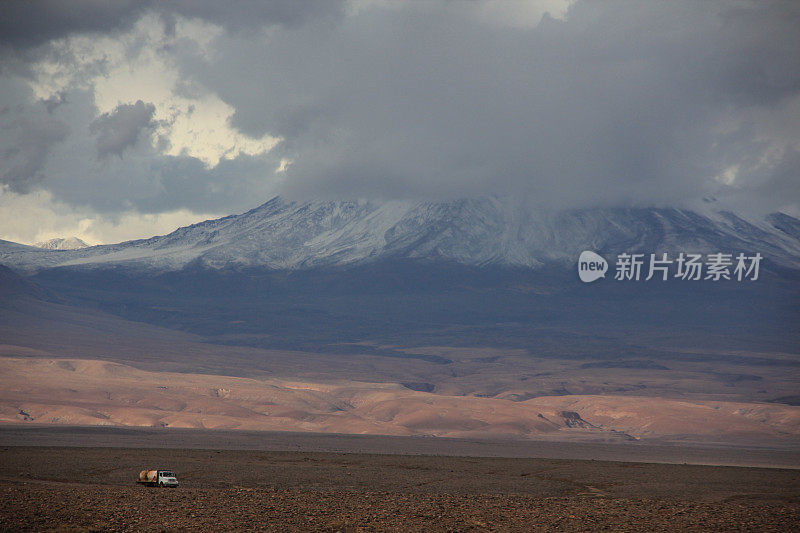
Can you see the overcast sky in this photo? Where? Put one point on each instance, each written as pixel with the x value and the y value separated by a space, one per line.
pixel 125 119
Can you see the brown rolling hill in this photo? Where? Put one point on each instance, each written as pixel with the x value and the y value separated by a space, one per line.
pixel 92 392
pixel 61 364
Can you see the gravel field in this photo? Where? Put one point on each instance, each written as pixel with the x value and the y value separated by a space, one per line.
pixel 93 489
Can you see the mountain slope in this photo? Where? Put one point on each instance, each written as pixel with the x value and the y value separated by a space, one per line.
pixel 488 231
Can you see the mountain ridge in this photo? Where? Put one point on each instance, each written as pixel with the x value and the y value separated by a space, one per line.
pixel 293 235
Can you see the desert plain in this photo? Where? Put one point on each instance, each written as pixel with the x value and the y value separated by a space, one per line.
pixel 402 438
pixel 75 486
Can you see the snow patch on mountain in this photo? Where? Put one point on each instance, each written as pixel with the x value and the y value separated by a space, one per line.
pixel 284 234
pixel 60 243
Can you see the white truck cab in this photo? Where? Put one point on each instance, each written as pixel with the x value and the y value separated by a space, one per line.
pixel 167 479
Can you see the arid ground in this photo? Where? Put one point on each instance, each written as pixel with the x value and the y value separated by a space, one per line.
pixel 93 489
pixel 447 439
pixel 83 479
pixel 67 365
pixel 93 392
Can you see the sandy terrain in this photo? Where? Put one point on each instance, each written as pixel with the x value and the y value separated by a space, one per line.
pixel 92 392
pixel 61 364
pixel 93 489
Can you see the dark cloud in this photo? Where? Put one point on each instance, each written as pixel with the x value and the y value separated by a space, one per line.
pixel 51 103
pixel 616 103
pixel 249 14
pixel 238 184
pixel 122 128
pixel 27 23
pixel 27 135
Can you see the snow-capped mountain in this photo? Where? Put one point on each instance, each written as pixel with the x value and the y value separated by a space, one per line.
pixel 284 234
pixel 60 243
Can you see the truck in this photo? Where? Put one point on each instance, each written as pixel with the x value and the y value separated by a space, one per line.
pixel 157 478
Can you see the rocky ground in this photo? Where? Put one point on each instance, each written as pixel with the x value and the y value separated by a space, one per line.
pixel 93 489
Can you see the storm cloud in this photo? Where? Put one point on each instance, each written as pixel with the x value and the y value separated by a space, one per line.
pixel 121 128
pixel 27 135
pixel 600 103
pixel 616 103
pixel 30 23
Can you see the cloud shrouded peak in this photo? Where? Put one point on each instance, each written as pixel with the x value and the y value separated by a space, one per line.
pixel 192 107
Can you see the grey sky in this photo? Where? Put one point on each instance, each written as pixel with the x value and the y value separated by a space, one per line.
pixel 113 112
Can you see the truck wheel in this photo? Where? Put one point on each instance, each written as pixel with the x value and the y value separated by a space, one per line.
pixel 161 484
